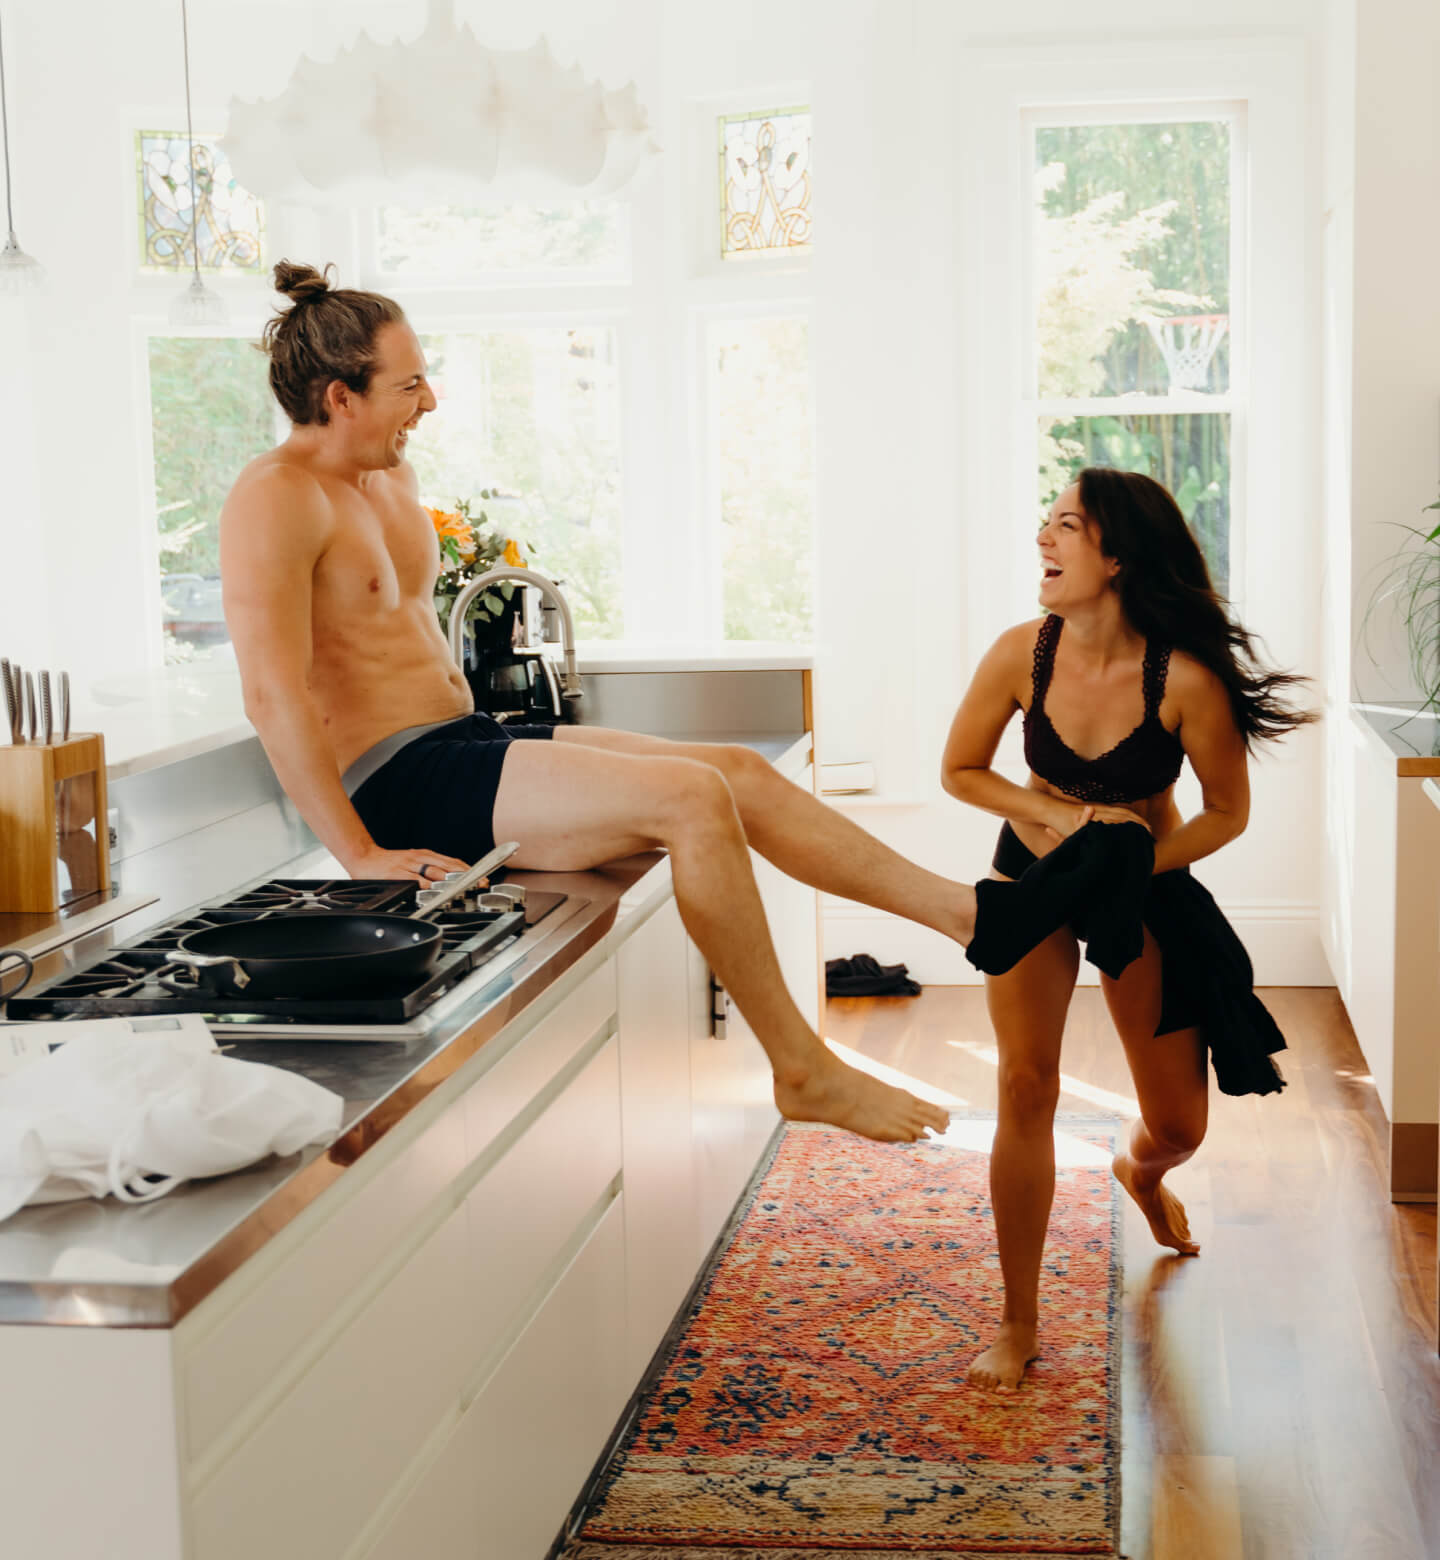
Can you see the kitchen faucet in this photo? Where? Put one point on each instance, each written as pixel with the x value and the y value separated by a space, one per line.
pixel 570 677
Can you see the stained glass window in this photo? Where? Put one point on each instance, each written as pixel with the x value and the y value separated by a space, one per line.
pixel 765 183
pixel 229 219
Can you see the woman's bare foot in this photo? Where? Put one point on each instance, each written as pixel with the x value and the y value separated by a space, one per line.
pixel 834 1092
pixel 1002 1365
pixel 1164 1211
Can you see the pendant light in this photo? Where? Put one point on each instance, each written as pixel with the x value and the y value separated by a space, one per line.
pixel 19 272
pixel 198 304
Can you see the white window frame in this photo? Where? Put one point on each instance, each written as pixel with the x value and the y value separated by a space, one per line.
pixel 1270 394
pixel 714 288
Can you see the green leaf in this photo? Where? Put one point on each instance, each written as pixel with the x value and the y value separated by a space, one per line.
pixel 507 588
pixel 493 603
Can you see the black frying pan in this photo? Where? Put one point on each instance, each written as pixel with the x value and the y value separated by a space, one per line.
pixel 324 954
pixel 310 955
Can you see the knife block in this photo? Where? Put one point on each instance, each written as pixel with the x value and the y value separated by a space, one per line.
pixel 54 829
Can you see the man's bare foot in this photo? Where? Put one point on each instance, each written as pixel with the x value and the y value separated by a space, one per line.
pixel 1001 1366
pixel 843 1096
pixel 1164 1211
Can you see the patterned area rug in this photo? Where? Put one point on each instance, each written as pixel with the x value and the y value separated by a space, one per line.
pixel 814 1401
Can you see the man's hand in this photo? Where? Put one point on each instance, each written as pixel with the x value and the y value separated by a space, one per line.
pixel 426 867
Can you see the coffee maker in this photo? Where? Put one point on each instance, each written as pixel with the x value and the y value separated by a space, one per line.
pixel 510 675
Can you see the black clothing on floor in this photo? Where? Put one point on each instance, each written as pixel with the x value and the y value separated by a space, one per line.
pixel 863 976
pixel 1100 882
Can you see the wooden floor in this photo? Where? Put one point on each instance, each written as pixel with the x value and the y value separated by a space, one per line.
pixel 1281 1391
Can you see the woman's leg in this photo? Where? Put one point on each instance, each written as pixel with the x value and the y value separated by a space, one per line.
pixel 806 839
pixel 1173 1089
pixel 1027 1007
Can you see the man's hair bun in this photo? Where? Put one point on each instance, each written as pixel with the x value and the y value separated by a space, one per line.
pixel 300 283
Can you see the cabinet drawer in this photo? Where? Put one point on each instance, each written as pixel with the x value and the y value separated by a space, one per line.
pixel 351 1425
pixel 504 1481
pixel 255 1328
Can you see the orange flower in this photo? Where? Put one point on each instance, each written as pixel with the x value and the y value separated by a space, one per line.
pixel 452 527
pixel 513 555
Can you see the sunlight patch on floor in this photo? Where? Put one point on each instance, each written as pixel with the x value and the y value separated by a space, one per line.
pixel 974 1134
pixel 1084 1091
pixel 901 1080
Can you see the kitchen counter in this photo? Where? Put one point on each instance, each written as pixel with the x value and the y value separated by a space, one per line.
pixel 157 717
pixel 106 1265
pixel 1406 733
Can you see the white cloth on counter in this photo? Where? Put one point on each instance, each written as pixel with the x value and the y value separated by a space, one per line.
pixel 110 1113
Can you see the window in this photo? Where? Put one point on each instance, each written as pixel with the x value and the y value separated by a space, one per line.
pixel 587 240
pixel 1132 321
pixel 765 182
pixel 756 555
pixel 211 411
pixel 229 221
pixel 760 418
pixel 535 413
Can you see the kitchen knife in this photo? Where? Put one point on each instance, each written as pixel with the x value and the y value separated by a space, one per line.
pixel 30 705
pixel 47 713
pixel 12 712
pixel 64 706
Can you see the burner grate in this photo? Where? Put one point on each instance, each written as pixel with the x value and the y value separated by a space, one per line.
pixel 127 980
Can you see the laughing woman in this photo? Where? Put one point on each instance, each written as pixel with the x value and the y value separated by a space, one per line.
pixel 1137 664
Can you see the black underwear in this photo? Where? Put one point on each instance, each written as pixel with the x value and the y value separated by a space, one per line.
pixel 438 792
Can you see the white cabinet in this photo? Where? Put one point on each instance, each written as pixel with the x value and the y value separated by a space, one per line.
pixel 733 1112
pixel 655 1040
pixel 429 1359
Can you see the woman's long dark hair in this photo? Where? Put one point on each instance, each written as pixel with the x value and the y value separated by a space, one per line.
pixel 1165 592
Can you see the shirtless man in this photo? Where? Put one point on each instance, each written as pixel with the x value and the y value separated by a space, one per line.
pixel 329 565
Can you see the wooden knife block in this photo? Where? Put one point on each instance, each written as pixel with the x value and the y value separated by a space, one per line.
pixel 54 827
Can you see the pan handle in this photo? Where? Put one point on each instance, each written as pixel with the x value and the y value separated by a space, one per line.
pixel 438 898
pixel 23 963
pixel 212 961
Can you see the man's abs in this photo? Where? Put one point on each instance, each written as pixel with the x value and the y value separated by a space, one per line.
pixel 382 674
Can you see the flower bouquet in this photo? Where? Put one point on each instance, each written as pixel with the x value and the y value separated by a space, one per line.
pixel 468 549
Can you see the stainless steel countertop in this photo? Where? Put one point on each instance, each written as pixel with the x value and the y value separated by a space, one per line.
pixel 105 1264
pixel 1411 736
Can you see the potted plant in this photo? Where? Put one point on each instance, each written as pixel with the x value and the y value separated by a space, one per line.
pixel 1410 587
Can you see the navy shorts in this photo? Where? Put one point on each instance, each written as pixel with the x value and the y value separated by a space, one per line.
pixel 1012 856
pixel 438 792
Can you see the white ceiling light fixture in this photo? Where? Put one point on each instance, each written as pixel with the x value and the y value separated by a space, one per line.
pixel 19 272
pixel 440 121
pixel 198 304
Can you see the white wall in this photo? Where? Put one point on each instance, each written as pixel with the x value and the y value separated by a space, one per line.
pixel 1395 405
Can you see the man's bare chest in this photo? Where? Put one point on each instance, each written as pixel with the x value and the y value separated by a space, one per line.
pixel 379 558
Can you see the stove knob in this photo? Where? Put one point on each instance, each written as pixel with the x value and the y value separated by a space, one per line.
pixel 511 891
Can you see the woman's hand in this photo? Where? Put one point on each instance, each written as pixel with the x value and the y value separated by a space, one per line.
pixel 1075 817
pixel 426 867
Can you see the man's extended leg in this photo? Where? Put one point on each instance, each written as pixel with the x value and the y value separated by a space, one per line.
pixel 574 806
pixel 806 839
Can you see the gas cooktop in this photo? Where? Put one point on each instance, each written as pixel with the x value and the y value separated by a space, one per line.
pixel 141 977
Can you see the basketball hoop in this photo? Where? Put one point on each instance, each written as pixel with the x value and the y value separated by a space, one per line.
pixel 1187 342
